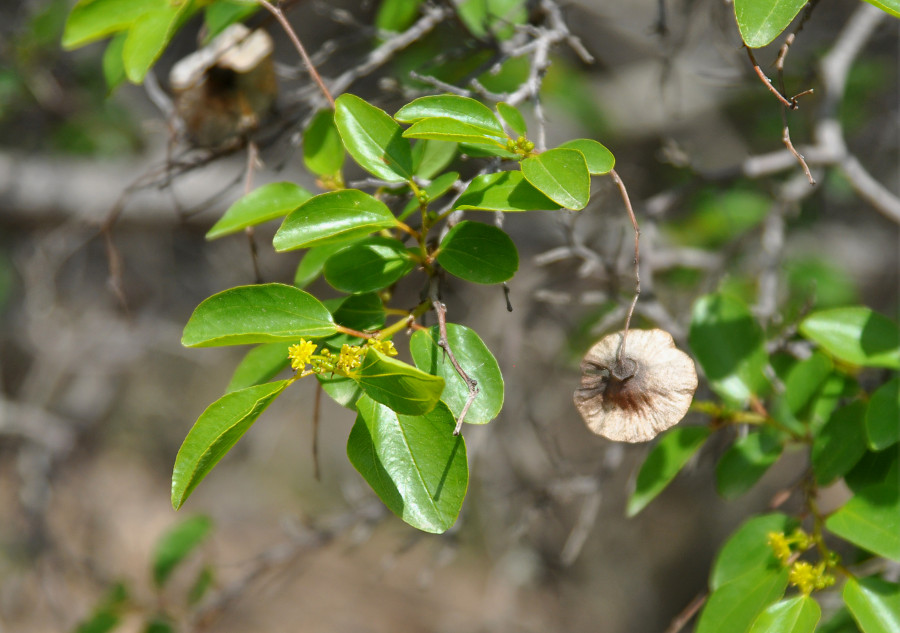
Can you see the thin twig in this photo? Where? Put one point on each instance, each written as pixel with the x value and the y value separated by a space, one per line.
pixel 279 15
pixel 252 163
pixel 768 82
pixel 785 130
pixel 637 257
pixel 689 611
pixel 444 344
pixel 317 404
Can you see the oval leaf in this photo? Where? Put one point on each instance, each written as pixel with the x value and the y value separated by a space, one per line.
pixel 369 265
pixel 174 546
pixel 840 443
pixel 746 461
pixel 415 464
pixel 871 520
pixel 431 157
pixel 729 344
pixel 562 175
pixel 503 191
pixel 761 21
pixel 263 313
pixel 874 603
pixel 857 335
pixel 260 364
pixel 513 118
pixel 264 203
pixel 373 139
pixel 734 606
pixel 891 7
pixel 666 459
pixel 599 159
pixel 401 387
pixel 336 216
pixel 345 391
pixel 883 414
pixel 444 129
pixel 748 550
pixel 463 109
pixel 92 20
pixel 149 36
pixel 218 429
pixel 475 359
pixel 875 468
pixel 323 152
pixel 478 252
pixel 794 615
pixel 313 261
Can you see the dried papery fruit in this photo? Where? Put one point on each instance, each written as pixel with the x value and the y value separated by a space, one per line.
pixel 640 396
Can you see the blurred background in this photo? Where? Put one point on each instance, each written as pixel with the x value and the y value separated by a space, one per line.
pixel 103 259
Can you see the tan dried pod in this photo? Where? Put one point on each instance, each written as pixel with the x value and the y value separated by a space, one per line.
pixel 639 397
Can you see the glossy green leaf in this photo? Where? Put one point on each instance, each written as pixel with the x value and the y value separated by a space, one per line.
pixel 475 359
pixel 562 175
pixel 92 20
pixel 734 606
pixel 761 21
pixel 149 36
pixel 473 114
pixel 370 264
pixel 513 118
pixel 836 389
pixel 729 344
pixel 667 458
pixel 113 67
pixel 323 151
pixel 748 550
pixel 883 416
pixel 874 603
pixel 599 159
pixel 214 433
pixel 492 19
pixel 503 191
pixel 397 15
pixel 313 262
pixel 437 188
pixel 446 129
pixel 840 622
pixel 259 365
pixel 478 252
pixel 401 387
pixel 431 157
pixel 799 614
pixel 176 544
pixel 336 216
pixel 856 334
pixel 263 313
pixel 891 7
pixel 473 150
pixel 804 382
pixel 871 520
pixel 223 13
pixel 362 312
pixel 746 462
pixel 108 613
pixel 415 464
pixel 879 467
pixel 373 139
pixel 345 391
pixel 265 203
pixel 840 443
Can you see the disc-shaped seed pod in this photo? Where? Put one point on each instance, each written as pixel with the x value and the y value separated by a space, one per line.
pixel 637 397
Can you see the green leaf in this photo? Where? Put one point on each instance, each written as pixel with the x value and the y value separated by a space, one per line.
pixel 718 218
pixel 473 114
pixel 263 313
pixel 218 429
pixel 108 613
pixel 874 603
pixel 883 415
pixel 446 129
pixel 761 21
pixel 875 468
pixel 159 625
pixel 260 364
pixel 513 118
pixel 805 381
pixel 401 387
pixel 373 139
pixel 503 191
pixel 149 36
pixel 92 20
pixel 175 545
pixel 799 614
pixel 437 188
pixel 313 261
pixel 871 520
pixel 363 312
pixel 599 159
pixel 492 19
pixel 747 550
pixel 562 175
pixel 836 389
pixel 478 252
pixel 666 459
pixel 475 359
pixel 746 462
pixel 856 335
pixel 734 606
pixel 223 13
pixel 840 622
pixel 415 464
pixel 891 7
pixel 729 344
pixel 397 15
pixel 265 203
pixel 113 67
pixel 840 443
pixel 323 152
pixel 474 150
pixel 345 391
pixel 336 216
pixel 369 265
pixel 431 157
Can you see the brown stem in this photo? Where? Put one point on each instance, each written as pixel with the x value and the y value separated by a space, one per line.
pixel 317 404
pixel 689 611
pixel 768 82
pixel 471 383
pixel 252 163
pixel 279 15
pixel 637 258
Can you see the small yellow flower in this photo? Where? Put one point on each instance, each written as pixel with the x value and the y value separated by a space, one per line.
pixel 808 578
pixel 779 544
pixel 350 358
pixel 300 354
pixel 385 347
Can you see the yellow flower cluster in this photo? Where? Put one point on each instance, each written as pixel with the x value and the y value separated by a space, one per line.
pixel 325 362
pixel 350 358
pixel 803 575
pixel 808 578
pixel 385 347
pixel 300 354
